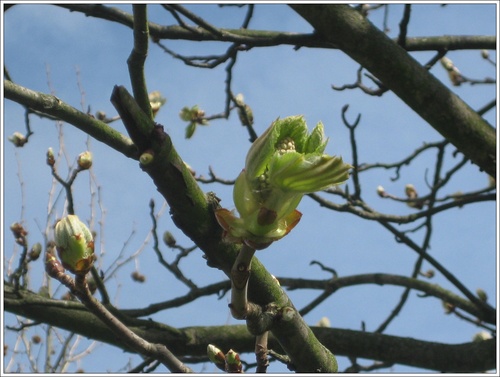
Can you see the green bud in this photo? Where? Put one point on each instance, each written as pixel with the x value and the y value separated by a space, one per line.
pixel 195 116
pixel 282 165
pixel 169 239
pixel 482 295
pixel 85 160
pixel 51 160
pixel 216 356
pixel 191 127
pixel 233 362
pixel 147 157
pixel 35 251
pixel 75 244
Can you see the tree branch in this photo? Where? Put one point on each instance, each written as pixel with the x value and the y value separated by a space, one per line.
pixel 137 58
pixel 262 38
pixel 51 105
pixel 421 91
pixel 193 212
pixel 71 316
pixel 191 209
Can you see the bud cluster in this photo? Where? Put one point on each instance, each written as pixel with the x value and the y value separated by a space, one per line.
pixel 285 145
pixel 229 362
pixel 282 165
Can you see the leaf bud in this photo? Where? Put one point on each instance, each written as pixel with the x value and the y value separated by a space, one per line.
pixel 51 160
pixel 482 295
pixel 169 239
pixel 18 230
pixel 381 191
pixel 447 63
pixel 35 251
pixel 138 277
pixel 448 307
pixel 233 362
pixel 156 100
pixel 284 163
pixel 244 111
pixel 53 267
pixel 323 322
pixel 288 313
pixel 75 244
pixel 36 339
pixel 85 160
pixel 100 115
pixel 412 194
pixel 147 158
pixel 428 274
pixel 18 139
pixel 216 356
pixel 480 336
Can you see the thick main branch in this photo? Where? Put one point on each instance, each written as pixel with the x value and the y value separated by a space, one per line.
pixel 192 341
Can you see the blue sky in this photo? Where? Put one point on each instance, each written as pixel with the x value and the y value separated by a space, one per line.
pixel 80 59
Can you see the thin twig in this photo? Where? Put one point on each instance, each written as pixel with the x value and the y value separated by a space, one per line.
pixel 80 289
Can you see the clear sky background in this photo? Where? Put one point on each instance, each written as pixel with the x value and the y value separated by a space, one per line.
pixel 80 59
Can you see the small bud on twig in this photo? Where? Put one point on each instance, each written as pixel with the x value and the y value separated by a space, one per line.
pixel 85 160
pixel 454 74
pixel 35 251
pixel 138 277
pixel 482 295
pixel 18 139
pixel 51 160
pixel 19 233
pixel 169 239
pixel 381 192
pixel 412 194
